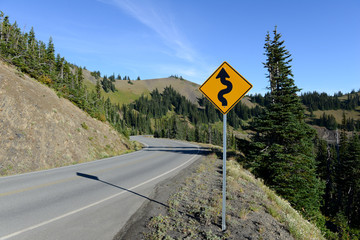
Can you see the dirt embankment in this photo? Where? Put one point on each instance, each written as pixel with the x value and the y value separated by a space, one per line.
pixel 39 130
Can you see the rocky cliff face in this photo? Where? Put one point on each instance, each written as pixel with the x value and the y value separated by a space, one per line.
pixel 39 130
pixel 328 135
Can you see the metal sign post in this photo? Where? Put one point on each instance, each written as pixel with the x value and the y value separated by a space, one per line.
pixel 224 176
pixel 236 88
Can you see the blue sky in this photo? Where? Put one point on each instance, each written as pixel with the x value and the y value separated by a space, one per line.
pixel 191 38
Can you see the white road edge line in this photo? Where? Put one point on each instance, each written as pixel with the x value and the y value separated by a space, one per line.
pixel 95 203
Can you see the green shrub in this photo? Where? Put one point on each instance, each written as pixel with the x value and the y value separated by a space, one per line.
pixel 84 126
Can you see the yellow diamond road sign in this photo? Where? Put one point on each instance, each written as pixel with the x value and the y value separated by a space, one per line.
pixel 225 87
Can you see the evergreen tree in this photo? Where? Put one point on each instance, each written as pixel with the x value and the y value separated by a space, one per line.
pixel 283 146
pixel 5 35
pixel 352 190
pixel 107 84
pixel 1 27
pixel 348 180
pixel 80 77
pixel 112 78
pixel 59 65
pixel 98 89
pixel 352 209
pixel 50 55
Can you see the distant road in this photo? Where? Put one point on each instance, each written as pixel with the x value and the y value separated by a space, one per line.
pixel 91 200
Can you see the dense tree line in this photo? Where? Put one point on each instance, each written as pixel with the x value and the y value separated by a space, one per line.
pixel 190 118
pixel 176 117
pixel 318 101
pixel 178 128
pixel 322 101
pixel 339 167
pixel 171 115
pixel 329 121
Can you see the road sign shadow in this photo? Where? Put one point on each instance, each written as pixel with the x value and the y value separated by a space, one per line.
pixel 93 177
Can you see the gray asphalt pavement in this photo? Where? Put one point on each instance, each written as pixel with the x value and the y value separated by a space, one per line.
pixel 91 200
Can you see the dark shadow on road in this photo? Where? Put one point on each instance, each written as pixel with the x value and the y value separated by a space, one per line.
pixel 92 177
pixel 181 150
pixel 171 147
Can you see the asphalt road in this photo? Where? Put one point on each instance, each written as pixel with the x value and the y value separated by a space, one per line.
pixel 91 200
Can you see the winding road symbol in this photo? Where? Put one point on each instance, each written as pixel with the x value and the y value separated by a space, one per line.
pixel 223 75
pixel 227 92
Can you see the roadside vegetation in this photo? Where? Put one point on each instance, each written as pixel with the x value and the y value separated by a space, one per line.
pixel 253 210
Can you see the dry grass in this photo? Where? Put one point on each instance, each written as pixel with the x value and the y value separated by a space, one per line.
pixel 279 208
pixel 338 114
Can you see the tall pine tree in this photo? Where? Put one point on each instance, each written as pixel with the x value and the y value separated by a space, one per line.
pixel 283 151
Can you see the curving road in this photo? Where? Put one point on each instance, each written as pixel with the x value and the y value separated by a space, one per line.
pixel 90 200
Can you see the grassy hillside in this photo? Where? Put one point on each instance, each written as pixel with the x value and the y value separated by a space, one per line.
pixel 129 92
pixel 121 96
pixel 39 130
pixel 338 114
pixel 184 87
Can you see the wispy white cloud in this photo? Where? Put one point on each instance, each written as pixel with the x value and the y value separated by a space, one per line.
pixel 161 22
